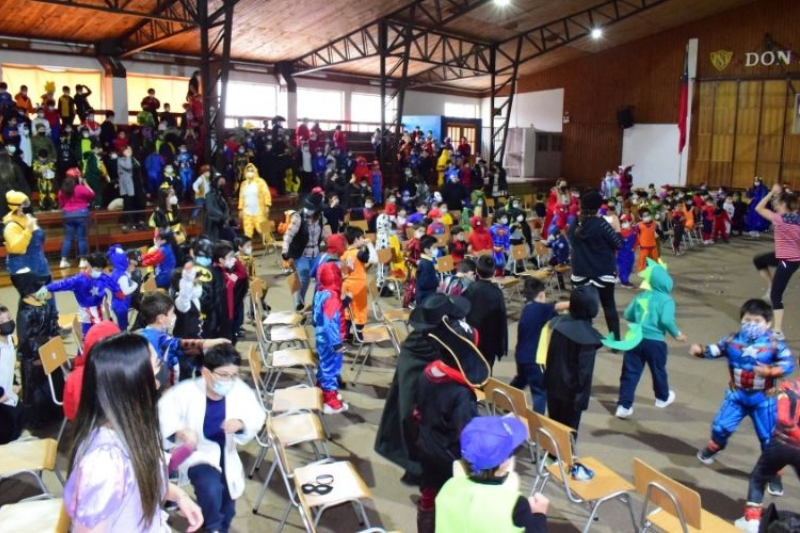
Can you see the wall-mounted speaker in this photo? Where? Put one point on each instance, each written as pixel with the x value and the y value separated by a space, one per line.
pixel 625 118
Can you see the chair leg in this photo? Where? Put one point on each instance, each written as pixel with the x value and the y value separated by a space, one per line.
pixel 627 500
pixel 285 516
pixel 325 427
pixel 589 522
pixel 363 363
pixel 262 454
pixel 265 485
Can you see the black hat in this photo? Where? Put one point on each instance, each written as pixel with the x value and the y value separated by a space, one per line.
pixel 313 202
pixel 591 201
pixel 27 282
pixel 203 247
pixel 459 352
pixel 429 314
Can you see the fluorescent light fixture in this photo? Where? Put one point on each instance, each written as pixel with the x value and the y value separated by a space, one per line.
pixel 502 3
pixel 597 33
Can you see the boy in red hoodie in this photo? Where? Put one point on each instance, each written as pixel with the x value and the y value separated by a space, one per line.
pixel 480 239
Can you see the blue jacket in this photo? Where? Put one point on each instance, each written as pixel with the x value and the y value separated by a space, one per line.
pixel 744 354
pixel 119 263
pixel 89 291
pixel 427 280
pixel 166 346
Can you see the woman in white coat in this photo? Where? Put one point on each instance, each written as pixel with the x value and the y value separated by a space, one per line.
pixel 207 417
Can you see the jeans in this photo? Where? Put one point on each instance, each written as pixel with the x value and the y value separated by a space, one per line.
pixel 531 374
pixel 776 456
pixel 75 227
pixel 654 354
pixel 211 491
pixel 304 265
pixel 199 203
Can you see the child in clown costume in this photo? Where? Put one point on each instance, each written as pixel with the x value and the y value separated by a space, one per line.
pixel 254 201
pixel 500 240
pixel 626 254
pixel 755 360
pixel 124 286
pixel 89 287
pixel 328 334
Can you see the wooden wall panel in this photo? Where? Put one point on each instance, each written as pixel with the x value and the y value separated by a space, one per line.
pixel 646 73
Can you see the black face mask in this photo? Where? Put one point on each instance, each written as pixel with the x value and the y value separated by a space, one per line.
pixel 7 328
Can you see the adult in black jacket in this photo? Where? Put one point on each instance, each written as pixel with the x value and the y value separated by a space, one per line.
pixel 594 243
pixel 217 209
pixel 570 358
pixel 11 179
pixel 37 323
pixel 454 194
pixel 488 313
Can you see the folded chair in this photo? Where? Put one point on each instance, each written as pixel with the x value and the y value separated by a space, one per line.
pixel 41 516
pixel 556 439
pixel 671 506
pixel 348 487
pixel 29 457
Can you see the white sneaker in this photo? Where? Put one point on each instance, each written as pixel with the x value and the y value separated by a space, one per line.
pixel 661 404
pixel 64 263
pixel 767 294
pixel 750 526
pixel 83 263
pixel 623 413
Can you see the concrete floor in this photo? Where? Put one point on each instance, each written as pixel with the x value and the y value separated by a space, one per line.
pixel 711 283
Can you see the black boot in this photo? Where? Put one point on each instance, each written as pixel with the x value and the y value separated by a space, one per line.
pixel 426 521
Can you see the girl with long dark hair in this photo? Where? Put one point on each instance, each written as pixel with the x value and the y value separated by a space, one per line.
pixel 117 475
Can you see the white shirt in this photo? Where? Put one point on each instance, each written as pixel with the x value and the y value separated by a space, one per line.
pixel 8 356
pixel 251 206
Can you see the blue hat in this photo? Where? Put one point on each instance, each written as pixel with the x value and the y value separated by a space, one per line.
pixel 487 441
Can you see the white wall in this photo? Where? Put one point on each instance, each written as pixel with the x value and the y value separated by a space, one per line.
pixel 653 150
pixel 421 103
pixel 542 110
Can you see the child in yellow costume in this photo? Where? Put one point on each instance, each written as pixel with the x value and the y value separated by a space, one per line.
pixel 359 253
pixel 441 164
pixel 291 182
pixel 45 171
pixel 254 201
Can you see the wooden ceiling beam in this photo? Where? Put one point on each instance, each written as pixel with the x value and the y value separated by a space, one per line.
pixel 117 7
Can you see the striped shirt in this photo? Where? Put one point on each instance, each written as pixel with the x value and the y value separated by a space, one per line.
pixel 787 238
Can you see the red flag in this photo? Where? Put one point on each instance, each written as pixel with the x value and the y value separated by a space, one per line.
pixel 683 108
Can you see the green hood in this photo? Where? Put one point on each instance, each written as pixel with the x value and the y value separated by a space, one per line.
pixel 656 277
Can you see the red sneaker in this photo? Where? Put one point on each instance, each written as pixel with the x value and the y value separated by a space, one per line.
pixel 332 404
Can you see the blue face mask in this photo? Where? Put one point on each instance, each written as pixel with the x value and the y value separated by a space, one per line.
pixel 752 330
pixel 222 388
pixel 203 261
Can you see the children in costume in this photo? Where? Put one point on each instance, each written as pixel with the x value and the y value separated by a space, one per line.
pixel 626 254
pixel 162 258
pixel 44 170
pixel 678 230
pixel 124 286
pixel 479 238
pixel 755 359
pixel 89 287
pixel 783 451
pixel 427 279
pixel 652 312
pixel 754 222
pixel 354 286
pixel 500 240
pixel 254 201
pixel 328 318
pixel 185 162
pixel 647 239
pixel 721 222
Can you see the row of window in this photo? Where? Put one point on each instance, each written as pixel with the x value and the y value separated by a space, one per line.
pixel 245 101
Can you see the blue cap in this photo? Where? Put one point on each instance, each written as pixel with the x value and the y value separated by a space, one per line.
pixel 487 441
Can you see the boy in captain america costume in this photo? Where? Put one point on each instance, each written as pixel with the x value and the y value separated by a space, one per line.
pixel 501 240
pixel 755 360
pixel 89 286
pixel 124 286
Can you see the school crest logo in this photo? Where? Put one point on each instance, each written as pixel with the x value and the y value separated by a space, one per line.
pixel 721 59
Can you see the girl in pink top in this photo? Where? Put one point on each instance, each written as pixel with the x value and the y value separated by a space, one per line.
pixel 786 258
pixel 74 199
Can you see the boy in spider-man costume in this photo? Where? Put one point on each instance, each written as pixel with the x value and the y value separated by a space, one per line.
pixel 626 254
pixel 783 450
pixel 755 360
pixel 328 334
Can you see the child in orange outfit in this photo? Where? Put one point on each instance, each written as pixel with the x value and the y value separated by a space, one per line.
pixel 354 286
pixel 648 247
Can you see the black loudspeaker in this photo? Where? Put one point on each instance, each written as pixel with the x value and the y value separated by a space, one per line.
pixel 625 118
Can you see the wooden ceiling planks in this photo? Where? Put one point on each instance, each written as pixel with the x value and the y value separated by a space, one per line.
pixel 278 30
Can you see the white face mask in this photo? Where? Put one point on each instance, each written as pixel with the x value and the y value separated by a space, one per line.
pixel 520 218
pixel 248 250
pixel 646 219
pixel 249 174
pixel 173 200
pixel 626 225
pixel 96 273
pixel 229 263
pixel 504 220
pixel 368 206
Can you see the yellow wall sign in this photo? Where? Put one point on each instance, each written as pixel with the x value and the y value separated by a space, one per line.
pixel 721 59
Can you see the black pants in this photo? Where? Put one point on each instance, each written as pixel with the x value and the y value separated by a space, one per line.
pixel 780 279
pixel 606 292
pixel 12 420
pixel 564 411
pixel 776 456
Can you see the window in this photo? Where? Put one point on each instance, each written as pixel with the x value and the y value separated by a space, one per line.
pixel 169 90
pixel 555 143
pixel 255 100
pixel 366 108
pixel 541 142
pixel 320 104
pixel 452 109
pixel 36 78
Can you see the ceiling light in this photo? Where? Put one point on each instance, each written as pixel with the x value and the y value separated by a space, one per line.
pixel 502 3
pixel 597 33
